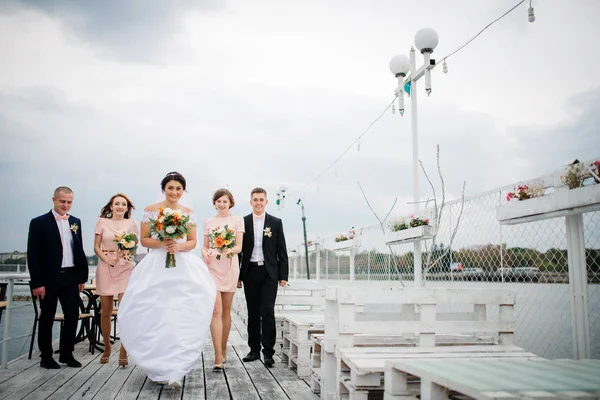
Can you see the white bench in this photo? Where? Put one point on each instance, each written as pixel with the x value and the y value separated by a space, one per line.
pixel 494 379
pixel 297 341
pixel 417 321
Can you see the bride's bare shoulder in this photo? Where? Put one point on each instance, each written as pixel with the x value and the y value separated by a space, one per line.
pixel 153 207
pixel 186 210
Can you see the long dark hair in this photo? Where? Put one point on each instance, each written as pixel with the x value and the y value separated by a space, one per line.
pixel 107 212
pixel 172 176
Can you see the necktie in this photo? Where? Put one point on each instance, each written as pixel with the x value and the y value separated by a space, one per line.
pixel 59 217
pixel 257 217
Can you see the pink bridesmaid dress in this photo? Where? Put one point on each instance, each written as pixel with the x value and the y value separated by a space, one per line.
pixel 225 271
pixel 111 280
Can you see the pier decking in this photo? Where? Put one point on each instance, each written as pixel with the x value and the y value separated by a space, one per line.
pixel 24 379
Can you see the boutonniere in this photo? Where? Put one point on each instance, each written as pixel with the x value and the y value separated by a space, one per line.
pixel 268 232
pixel 75 228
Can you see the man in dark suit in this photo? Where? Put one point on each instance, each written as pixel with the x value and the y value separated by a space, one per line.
pixel 58 268
pixel 264 265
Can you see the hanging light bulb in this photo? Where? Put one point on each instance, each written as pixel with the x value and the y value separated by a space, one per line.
pixel 445 67
pixel 358 145
pixel 393 108
pixel 530 14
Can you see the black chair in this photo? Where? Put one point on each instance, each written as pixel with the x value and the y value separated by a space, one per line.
pixel 87 321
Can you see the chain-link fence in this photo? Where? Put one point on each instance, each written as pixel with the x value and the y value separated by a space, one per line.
pixel 473 247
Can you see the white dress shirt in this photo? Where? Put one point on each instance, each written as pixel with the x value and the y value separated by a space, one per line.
pixel 66 238
pixel 257 252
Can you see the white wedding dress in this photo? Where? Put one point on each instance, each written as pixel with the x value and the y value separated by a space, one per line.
pixel 165 314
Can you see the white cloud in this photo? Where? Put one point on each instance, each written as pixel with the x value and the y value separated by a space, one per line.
pixel 272 92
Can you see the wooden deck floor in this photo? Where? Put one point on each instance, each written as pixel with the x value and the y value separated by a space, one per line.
pixel 24 379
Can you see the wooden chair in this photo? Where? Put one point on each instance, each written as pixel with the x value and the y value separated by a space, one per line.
pixel 87 320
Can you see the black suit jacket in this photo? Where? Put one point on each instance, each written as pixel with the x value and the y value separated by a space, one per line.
pixel 45 251
pixel 273 246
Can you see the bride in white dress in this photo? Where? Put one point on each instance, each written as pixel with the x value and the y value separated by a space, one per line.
pixel 165 314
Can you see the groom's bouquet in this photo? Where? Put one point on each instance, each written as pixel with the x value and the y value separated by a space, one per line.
pixel 127 242
pixel 170 224
pixel 222 238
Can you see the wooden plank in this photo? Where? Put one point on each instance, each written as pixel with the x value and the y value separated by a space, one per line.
pixel 52 385
pixel 216 384
pixel 18 366
pixel 240 385
pixel 23 384
pixel 150 390
pixel 133 385
pixel 263 381
pixel 87 376
pixel 294 387
pixel 193 387
pixel 114 384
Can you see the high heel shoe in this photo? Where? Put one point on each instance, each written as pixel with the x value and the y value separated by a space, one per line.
pixel 105 355
pixel 218 367
pixel 123 359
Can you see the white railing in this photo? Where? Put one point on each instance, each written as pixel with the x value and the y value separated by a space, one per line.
pixel 530 258
pixel 11 278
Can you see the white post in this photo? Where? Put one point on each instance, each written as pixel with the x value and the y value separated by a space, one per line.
pixel 296 266
pixel 7 316
pixel 578 285
pixel 418 273
pixel 352 252
pixel 318 259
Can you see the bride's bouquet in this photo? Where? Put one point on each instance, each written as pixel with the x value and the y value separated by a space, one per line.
pixel 170 224
pixel 127 242
pixel 222 238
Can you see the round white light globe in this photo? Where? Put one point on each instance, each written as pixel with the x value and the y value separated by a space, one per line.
pixel 400 65
pixel 426 40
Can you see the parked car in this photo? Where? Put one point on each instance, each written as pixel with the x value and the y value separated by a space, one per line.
pixel 456 266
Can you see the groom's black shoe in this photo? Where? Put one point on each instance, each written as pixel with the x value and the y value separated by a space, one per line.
pixel 269 362
pixel 252 356
pixel 70 361
pixel 49 363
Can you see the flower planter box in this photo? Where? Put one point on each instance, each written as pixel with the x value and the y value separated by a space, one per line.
pixel 558 204
pixel 344 245
pixel 410 235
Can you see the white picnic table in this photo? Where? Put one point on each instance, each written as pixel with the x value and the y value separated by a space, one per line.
pixel 496 379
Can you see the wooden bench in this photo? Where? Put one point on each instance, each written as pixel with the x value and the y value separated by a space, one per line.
pixel 417 320
pixel 494 379
pixel 363 367
pixel 297 341
pixel 316 357
pixel 296 299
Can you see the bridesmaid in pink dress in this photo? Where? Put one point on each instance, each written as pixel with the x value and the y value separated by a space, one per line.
pixel 112 273
pixel 225 271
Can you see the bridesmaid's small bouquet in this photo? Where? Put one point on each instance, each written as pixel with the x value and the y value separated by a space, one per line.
pixel 127 242
pixel 170 224
pixel 222 238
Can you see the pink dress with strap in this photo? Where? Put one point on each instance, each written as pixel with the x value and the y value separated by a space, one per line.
pixel 111 280
pixel 225 271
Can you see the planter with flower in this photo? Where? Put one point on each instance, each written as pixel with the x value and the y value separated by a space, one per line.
pixel 345 241
pixel 311 245
pixel 417 228
pixel 572 191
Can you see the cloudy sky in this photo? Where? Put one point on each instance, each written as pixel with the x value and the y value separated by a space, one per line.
pixel 110 96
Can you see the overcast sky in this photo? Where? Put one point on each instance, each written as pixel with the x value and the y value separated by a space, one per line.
pixel 110 96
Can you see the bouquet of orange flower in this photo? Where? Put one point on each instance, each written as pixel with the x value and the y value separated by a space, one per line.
pixel 170 224
pixel 127 242
pixel 222 238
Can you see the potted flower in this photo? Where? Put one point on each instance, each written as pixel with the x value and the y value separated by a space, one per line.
pixel 417 228
pixel 579 193
pixel 345 241
pixel 311 245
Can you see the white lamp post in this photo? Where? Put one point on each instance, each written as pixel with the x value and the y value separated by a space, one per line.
pixel 426 41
